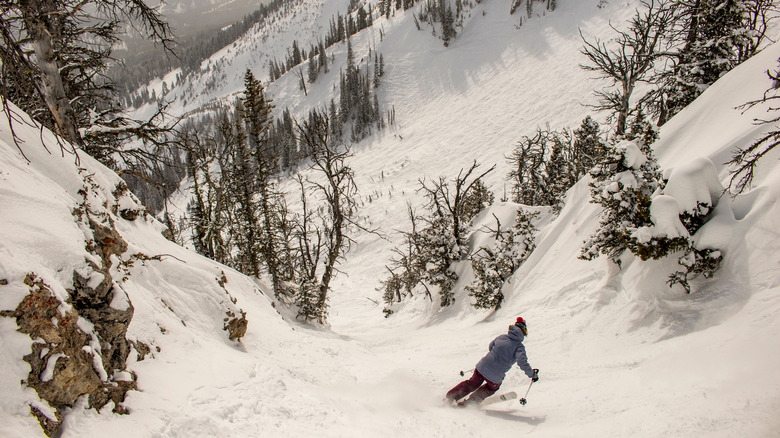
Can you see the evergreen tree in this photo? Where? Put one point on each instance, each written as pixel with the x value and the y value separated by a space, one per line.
pixel 297 57
pixel 623 185
pixel 313 70
pixel 376 71
pixel 257 116
pixel 719 35
pixel 589 148
pixel 448 24
pixel 323 58
pixel 244 190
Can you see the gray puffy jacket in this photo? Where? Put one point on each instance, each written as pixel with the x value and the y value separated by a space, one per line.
pixel 505 351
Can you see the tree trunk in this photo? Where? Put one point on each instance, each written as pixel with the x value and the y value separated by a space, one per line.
pixel 44 27
pixel 335 245
pixel 625 107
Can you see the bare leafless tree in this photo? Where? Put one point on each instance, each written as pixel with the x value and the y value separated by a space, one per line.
pixel 746 159
pixel 449 201
pixel 629 59
pixel 340 192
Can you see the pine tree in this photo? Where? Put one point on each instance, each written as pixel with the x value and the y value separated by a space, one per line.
pixel 323 58
pixel 447 24
pixel 589 148
pixel 623 185
pixel 244 190
pixel 313 70
pixel 257 116
pixel 376 71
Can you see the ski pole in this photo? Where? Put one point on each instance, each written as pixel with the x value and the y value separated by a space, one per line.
pixel 463 373
pixel 522 400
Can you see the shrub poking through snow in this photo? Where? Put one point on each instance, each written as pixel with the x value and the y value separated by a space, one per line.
pixel 696 189
pixel 494 265
pixel 696 262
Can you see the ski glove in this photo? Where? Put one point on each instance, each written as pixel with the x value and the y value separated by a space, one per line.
pixel 535 378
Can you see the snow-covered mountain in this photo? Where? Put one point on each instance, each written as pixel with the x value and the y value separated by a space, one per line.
pixel 620 352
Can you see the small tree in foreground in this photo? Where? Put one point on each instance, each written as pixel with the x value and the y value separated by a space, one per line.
pixel 623 185
pixel 651 217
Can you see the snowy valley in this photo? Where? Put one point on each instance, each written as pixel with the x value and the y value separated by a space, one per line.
pixel 621 353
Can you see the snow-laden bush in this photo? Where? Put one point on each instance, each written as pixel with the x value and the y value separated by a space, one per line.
pixel 495 263
pixel 623 184
pixel 679 211
pixel 654 217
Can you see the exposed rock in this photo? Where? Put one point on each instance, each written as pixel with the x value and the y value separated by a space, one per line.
pixel 130 214
pixel 142 349
pixel 49 426
pixel 235 326
pixel 106 241
pixel 63 361
pixel 127 213
pixel 110 323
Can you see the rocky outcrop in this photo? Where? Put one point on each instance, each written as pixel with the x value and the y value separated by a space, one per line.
pixel 79 345
pixel 67 360
pixel 95 302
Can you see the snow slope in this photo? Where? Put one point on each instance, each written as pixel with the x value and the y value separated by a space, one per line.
pixel 620 354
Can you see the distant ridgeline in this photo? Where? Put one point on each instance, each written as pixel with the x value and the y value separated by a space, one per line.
pixel 443 16
pixel 190 54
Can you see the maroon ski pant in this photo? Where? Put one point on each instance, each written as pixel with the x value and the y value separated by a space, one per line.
pixel 466 387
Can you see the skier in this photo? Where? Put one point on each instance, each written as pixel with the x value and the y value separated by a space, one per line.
pixel 505 351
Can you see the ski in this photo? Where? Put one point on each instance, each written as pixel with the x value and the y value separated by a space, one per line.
pixel 499 398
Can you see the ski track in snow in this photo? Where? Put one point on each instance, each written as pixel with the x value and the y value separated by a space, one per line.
pixel 620 354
